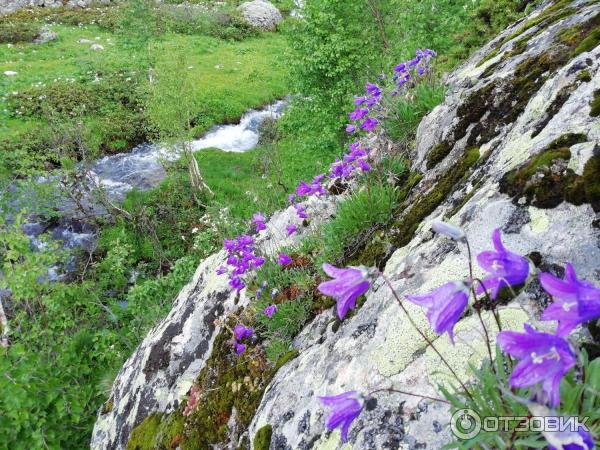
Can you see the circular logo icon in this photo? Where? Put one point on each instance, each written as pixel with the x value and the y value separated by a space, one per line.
pixel 465 424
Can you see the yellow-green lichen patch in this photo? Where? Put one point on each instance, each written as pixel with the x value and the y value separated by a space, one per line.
pixel 331 441
pixel 539 220
pixel 470 348
pixel 262 438
pixel 402 342
pixel 561 97
pixel 157 432
pixel 582 37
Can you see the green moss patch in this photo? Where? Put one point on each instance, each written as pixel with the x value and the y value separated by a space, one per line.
pixel 157 432
pixel 582 37
pixel 584 76
pixel 262 440
pixel 426 204
pixel 438 153
pixel 545 181
pixel 595 104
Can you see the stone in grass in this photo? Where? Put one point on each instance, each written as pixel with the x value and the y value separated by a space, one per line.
pixel 45 35
pixel 10 73
pixel 261 14
pixel 97 47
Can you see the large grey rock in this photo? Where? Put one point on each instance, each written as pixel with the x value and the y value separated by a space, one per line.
pixel 46 35
pixel 377 347
pixel 162 369
pixel 261 14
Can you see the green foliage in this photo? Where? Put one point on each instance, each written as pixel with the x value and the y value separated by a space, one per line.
pixel 403 121
pixel 262 439
pixel 491 397
pixel 17 32
pixel 356 219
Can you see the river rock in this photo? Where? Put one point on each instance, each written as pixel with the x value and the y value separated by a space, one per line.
pixel 261 14
pixel 46 35
pixel 376 347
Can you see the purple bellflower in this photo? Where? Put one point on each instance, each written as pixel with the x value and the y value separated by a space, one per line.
pixel 505 268
pixel 369 124
pixel 259 221
pixel 358 114
pixel 575 301
pixel 445 306
pixel 359 100
pixel 569 440
pixel 284 260
pixel 347 285
pixel 344 409
pixel 270 310
pixel 544 358
pixel 239 348
pixel 373 90
pixel 351 128
pixel 291 229
pixel 301 211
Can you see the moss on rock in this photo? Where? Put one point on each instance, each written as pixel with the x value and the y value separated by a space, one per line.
pixel 408 225
pixel 545 181
pixel 438 153
pixel 595 104
pixel 262 439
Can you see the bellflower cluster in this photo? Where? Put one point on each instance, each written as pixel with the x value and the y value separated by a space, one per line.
pixel 355 159
pixel 364 106
pixel 240 332
pixel 241 258
pixel 420 65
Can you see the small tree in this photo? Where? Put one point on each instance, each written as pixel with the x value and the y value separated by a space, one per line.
pixel 170 111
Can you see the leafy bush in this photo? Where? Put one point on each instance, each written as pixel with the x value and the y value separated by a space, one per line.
pixel 17 32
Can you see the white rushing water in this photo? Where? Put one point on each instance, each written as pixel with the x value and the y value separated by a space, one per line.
pixel 142 167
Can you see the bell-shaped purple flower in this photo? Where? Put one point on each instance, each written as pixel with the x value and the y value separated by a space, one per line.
pixel 575 301
pixel 544 358
pixel 351 128
pixel 344 409
pixel 373 90
pixel 569 440
pixel 359 100
pixel 291 229
pixel 270 310
pixel 347 285
pixel 237 284
pixel 301 211
pixel 239 348
pixel 445 306
pixel 259 221
pixel 505 268
pixel 284 260
pixel 369 124
pixel 364 165
pixel 358 114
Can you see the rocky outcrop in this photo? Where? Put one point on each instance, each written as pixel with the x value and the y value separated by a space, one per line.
pixel 500 114
pixel 261 14
pixel 162 369
pixel 9 6
pixel 515 146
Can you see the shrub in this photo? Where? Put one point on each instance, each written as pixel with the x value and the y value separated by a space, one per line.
pixel 17 32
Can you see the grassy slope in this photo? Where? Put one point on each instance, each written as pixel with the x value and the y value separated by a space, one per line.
pixel 251 72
